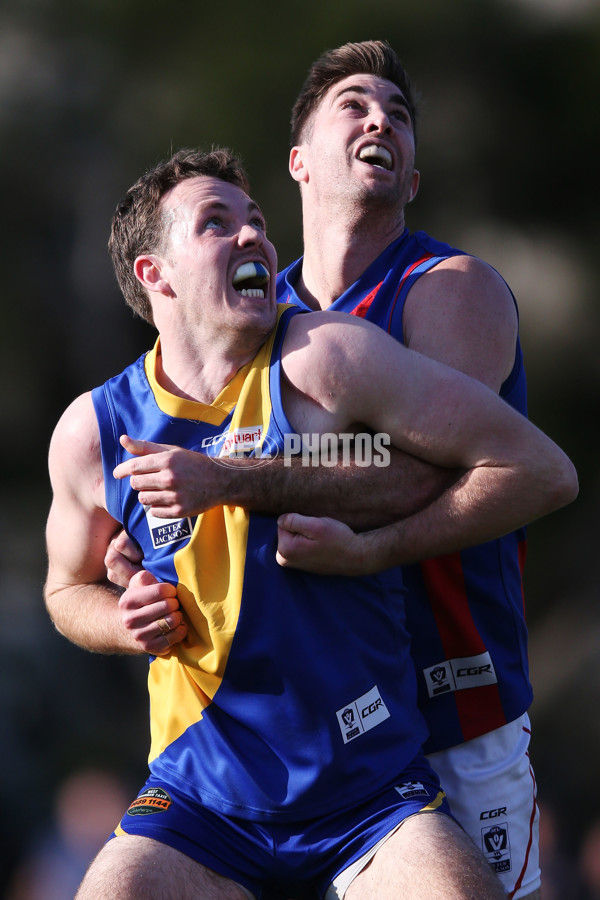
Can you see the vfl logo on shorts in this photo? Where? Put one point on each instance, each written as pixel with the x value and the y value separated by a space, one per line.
pixel 459 674
pixel 167 531
pixel 496 847
pixel 362 714
pixel 152 800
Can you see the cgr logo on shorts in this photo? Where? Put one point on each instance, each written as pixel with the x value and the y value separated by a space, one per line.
pixel 362 714
pixel 493 813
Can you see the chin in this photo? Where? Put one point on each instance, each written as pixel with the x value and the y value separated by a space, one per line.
pixel 264 318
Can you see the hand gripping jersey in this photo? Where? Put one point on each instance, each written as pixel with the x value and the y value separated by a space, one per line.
pixel 294 694
pixel 465 611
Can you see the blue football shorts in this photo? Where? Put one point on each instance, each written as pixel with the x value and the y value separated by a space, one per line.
pixel 272 860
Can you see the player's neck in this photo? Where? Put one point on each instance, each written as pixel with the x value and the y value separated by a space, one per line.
pixel 200 373
pixel 338 249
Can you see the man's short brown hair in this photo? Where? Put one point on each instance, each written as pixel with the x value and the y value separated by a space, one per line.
pixel 364 58
pixel 138 225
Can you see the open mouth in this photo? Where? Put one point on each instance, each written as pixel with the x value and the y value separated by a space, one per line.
pixel 250 279
pixel 377 156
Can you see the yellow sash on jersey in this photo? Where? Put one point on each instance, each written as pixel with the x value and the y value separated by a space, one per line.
pixel 210 567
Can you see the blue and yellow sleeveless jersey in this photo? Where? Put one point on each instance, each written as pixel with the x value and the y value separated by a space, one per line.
pixel 465 611
pixel 287 699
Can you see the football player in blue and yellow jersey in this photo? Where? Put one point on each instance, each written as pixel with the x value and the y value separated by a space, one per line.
pixel 286 741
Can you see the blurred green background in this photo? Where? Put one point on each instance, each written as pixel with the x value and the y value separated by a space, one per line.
pixel 91 95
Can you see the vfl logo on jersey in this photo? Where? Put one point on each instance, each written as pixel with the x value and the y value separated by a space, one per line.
pixel 411 789
pixel 438 680
pixel 496 847
pixel 362 714
pixel 153 800
pixel 167 531
pixel 459 674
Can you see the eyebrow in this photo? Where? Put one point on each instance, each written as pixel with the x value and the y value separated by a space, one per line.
pixel 254 207
pixel 221 205
pixel 210 203
pixel 397 98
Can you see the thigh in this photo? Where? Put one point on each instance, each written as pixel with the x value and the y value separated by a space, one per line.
pixel 491 789
pixel 428 858
pixel 130 867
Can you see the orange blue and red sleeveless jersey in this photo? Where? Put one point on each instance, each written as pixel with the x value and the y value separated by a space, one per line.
pixel 293 694
pixel 465 611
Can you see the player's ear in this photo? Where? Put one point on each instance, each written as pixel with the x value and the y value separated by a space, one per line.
pixel 148 270
pixel 414 187
pixel 297 166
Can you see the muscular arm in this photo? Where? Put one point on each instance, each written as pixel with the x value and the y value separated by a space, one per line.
pixel 463 314
pixel 515 473
pixel 176 482
pixel 83 605
pixel 460 313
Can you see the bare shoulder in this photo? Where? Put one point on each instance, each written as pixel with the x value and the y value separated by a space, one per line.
pixel 74 458
pixel 472 266
pixel 462 282
pixel 77 429
pixel 79 526
pixel 320 327
pixel 463 313
pixel 323 352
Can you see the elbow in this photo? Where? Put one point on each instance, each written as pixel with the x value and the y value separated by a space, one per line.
pixel 562 484
pixel 568 483
pixel 550 482
pixel 49 602
pixel 54 608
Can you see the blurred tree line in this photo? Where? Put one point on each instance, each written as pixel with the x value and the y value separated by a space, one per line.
pixel 90 96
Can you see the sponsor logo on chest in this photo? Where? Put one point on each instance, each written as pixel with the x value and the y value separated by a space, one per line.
pixel 238 440
pixel 167 531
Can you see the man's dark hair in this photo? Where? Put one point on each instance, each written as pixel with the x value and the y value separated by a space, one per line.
pixel 138 225
pixel 364 58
